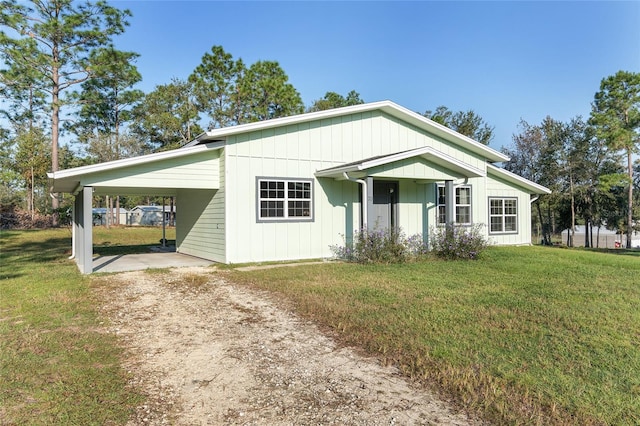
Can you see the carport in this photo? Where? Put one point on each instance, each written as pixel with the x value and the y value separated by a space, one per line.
pixel 170 173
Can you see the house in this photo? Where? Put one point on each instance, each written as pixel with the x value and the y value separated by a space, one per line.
pixel 100 215
pixel 151 215
pixel 289 188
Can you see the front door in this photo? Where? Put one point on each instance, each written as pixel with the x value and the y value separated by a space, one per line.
pixel 385 199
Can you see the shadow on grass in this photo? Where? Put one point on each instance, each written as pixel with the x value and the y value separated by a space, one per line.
pixel 106 249
pixel 49 250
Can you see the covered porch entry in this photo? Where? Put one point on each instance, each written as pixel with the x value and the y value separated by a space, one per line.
pixel 399 190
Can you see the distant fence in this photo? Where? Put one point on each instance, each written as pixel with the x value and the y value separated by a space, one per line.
pixel 602 241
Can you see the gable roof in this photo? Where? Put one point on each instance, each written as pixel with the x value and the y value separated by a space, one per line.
pixel 517 180
pixel 425 152
pixel 387 107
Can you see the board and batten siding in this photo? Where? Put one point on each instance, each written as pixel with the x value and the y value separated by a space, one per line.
pixel 200 226
pixel 499 188
pixel 298 151
pixel 335 206
pixel 200 171
pixel 344 139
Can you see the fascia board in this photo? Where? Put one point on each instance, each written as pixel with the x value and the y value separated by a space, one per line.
pixel 134 161
pixel 294 119
pixel 425 152
pixel 443 131
pixel 518 180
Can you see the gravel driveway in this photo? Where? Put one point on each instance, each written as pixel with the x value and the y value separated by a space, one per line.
pixel 208 352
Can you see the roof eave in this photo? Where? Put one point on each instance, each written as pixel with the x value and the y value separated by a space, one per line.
pixel 386 106
pixel 519 180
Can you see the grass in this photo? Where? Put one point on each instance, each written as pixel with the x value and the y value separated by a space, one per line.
pixel 127 240
pixel 527 335
pixel 57 365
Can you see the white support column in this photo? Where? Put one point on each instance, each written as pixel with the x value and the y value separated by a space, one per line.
pixel 368 200
pixel 83 221
pixel 450 202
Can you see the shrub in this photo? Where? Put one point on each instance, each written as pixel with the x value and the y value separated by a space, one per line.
pixel 453 242
pixel 380 246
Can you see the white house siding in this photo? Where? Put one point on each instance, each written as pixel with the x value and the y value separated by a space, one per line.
pixel 412 168
pixel 496 187
pixel 334 203
pixel 200 227
pixel 298 151
pixel 197 171
pixel 413 208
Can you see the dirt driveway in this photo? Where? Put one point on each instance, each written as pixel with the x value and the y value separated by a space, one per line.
pixel 208 352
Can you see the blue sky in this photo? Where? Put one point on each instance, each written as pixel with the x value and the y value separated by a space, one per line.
pixel 505 60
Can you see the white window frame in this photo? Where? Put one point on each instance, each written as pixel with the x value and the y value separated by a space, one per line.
pixel 503 215
pixel 441 207
pixel 292 198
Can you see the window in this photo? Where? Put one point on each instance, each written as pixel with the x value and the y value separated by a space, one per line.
pixel 284 199
pixel 503 215
pixel 462 205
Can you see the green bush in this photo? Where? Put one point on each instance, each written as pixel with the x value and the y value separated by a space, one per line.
pixel 381 246
pixel 457 242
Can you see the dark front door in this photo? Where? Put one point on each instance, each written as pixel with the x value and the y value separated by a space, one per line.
pixel 385 199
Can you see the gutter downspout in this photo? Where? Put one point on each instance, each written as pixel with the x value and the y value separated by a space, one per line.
pixel 364 197
pixel 73 232
pixel 534 199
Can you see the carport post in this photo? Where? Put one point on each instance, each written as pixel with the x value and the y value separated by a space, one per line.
pixel 83 222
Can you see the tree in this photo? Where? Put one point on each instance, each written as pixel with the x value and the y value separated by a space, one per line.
pixel 334 100
pixel 57 37
pixel 264 93
pixel 214 83
pixel 230 93
pixel 105 102
pixel 535 156
pixel 467 123
pixel 167 117
pixel 31 161
pixel 615 114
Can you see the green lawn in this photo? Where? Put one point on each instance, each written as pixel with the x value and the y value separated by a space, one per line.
pixel 57 366
pixel 529 335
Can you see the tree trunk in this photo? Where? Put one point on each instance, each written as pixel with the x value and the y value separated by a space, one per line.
pixel 544 234
pixel 117 210
pixel 630 201
pixel 573 211
pixel 107 216
pixel 33 196
pixel 55 124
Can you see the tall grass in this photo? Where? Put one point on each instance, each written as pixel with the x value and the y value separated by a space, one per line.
pixel 527 335
pixel 57 366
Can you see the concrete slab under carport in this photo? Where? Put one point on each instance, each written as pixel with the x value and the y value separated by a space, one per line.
pixel 137 262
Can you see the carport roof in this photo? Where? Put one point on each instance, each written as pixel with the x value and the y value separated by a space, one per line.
pixel 69 180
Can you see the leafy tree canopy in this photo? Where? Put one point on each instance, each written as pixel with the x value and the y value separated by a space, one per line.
pixel 230 93
pixel 334 100
pixel 468 123
pixel 167 118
